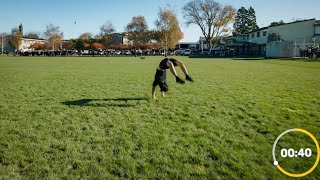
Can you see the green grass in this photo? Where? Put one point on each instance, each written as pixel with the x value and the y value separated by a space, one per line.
pixel 85 117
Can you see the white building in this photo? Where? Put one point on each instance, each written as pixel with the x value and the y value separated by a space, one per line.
pixel 286 40
pixel 26 43
pixel 283 40
pixel 24 46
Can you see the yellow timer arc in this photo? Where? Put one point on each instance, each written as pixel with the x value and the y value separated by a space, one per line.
pixel 292 174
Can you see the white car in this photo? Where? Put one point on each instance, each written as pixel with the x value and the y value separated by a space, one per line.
pixel 85 52
pixel 117 52
pixel 187 52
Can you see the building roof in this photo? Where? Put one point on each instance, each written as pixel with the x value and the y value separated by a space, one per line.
pixel 188 43
pixel 38 39
pixel 260 29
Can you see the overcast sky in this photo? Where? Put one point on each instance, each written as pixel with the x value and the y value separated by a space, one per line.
pixel 89 15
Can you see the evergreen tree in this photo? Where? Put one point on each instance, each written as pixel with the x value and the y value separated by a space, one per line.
pixel 245 21
pixel 252 19
pixel 241 21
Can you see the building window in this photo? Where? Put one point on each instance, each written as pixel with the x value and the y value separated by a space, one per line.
pixel 258 34
pixel 252 35
pixel 264 33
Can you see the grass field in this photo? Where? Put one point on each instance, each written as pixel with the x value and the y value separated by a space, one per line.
pixel 92 117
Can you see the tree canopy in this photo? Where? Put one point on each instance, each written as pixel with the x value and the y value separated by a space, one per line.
pixel 168 28
pixel 106 31
pixel 212 17
pixel 54 36
pixel 32 35
pixel 137 30
pixel 245 21
pixel 15 38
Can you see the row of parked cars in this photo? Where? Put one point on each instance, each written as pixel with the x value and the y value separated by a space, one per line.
pixel 185 52
pixel 118 52
pixel 181 52
pixel 4 52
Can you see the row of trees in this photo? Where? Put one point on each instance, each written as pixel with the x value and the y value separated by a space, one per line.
pixel 210 16
pixel 166 35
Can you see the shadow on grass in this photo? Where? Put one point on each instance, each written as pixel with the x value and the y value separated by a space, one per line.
pixel 107 102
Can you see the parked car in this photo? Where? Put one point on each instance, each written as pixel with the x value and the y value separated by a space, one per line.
pixel 218 51
pixel 179 52
pixel 170 53
pixel 117 52
pixel 147 52
pixel 127 52
pixel 187 52
pixel 204 52
pixel 85 52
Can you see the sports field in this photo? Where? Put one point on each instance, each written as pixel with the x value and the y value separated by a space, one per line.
pixel 92 117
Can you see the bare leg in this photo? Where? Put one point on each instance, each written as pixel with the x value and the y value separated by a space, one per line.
pixel 163 94
pixel 153 92
pixel 183 67
pixel 172 69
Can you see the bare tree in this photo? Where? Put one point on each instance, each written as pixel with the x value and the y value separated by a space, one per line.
pixel 54 36
pixel 212 18
pixel 106 31
pixel 107 28
pixel 33 35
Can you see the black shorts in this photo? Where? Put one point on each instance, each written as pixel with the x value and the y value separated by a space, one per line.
pixel 160 79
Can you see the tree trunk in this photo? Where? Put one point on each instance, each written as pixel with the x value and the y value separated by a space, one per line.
pixel 209 45
pixel 135 52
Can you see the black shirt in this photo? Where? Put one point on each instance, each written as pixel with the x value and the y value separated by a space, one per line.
pixel 163 63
